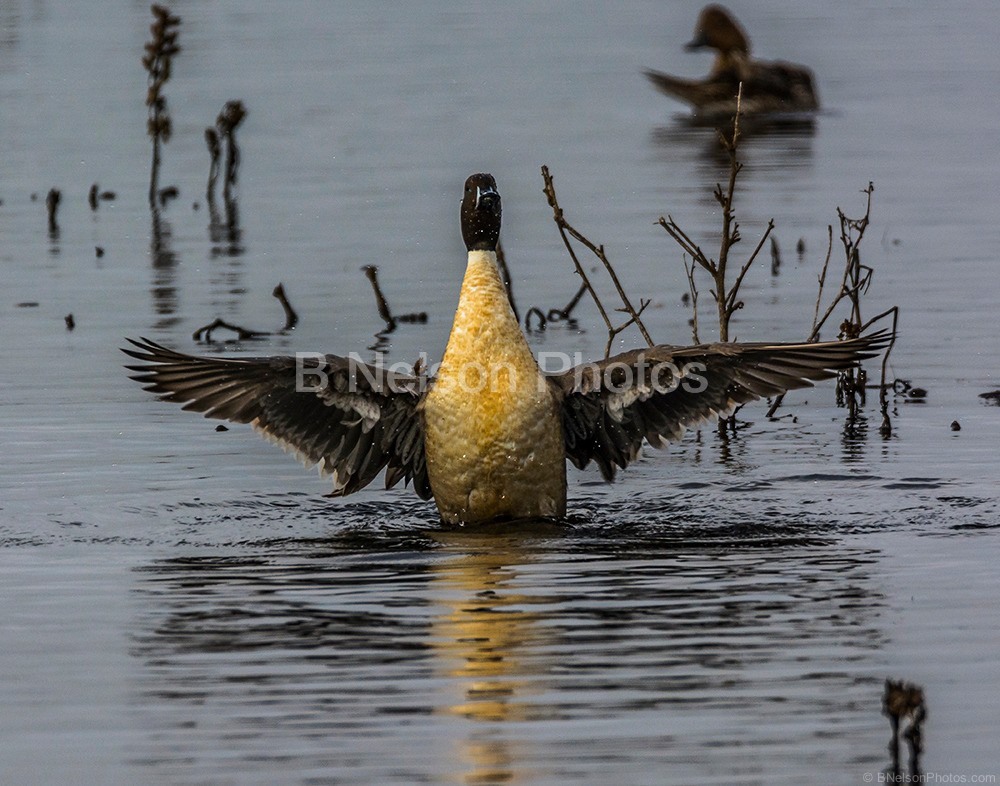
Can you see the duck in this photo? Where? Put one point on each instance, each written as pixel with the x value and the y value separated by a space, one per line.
pixel 488 434
pixel 768 86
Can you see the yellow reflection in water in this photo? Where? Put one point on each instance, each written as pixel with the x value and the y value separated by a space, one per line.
pixel 487 639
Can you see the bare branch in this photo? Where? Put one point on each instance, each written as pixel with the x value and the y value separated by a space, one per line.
pixel 689 272
pixel 566 231
pixel 731 297
pixel 814 333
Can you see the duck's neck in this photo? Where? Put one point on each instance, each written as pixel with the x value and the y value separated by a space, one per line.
pixel 485 324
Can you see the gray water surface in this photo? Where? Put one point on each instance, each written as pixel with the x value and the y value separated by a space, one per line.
pixel 181 605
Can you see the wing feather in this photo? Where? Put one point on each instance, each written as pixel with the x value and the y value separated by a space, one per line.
pixel 356 425
pixel 655 394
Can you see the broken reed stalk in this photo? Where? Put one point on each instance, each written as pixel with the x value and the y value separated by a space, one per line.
pixel 291 318
pixel 242 333
pixel 204 333
pixel 391 320
pixel 157 61
pixel 95 196
pixel 229 119
pixel 566 231
pixel 885 429
pixel 564 314
pixel 505 275
pixel 814 333
pixel 371 272
pixel 215 153
pixel 52 200
pixel 726 296
pixel 903 703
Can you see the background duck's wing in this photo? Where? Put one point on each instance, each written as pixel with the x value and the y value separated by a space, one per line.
pixel 789 86
pixel 350 418
pixel 655 394
pixel 721 88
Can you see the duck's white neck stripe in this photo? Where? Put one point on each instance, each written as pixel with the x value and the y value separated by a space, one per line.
pixel 478 257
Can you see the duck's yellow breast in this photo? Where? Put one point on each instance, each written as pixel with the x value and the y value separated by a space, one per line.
pixel 493 435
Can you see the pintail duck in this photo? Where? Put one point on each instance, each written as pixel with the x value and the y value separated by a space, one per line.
pixel 489 436
pixel 768 86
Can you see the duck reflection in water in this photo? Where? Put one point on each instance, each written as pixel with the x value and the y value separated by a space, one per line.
pixel 489 642
pixel 289 650
pixel 506 657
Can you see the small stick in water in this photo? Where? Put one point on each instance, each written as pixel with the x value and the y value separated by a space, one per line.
pixel 52 201
pixel 291 318
pixel 371 271
pixel 243 334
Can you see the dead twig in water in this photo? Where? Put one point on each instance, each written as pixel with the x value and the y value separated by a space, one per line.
pixel 246 334
pixel 539 315
pixel 229 119
pixel 52 200
pixel 856 277
pixel 371 272
pixel 242 333
pixel 391 321
pixel 505 275
pixel 566 230
pixel 903 703
pixel 726 296
pixel 215 153
pixel 693 290
pixel 854 282
pixel 883 389
pixel 227 234
pixel 95 196
pixel 564 314
pixel 291 318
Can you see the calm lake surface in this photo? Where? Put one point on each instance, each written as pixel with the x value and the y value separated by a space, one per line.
pixel 183 606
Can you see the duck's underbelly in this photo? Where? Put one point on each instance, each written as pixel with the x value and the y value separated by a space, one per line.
pixel 494 454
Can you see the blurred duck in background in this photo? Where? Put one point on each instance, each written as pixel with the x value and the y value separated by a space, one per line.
pixel 769 86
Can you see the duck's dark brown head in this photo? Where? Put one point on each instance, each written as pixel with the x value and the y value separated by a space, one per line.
pixel 717 29
pixel 481 213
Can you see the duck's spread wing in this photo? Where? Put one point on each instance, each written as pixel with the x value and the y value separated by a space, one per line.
pixel 655 394
pixel 350 418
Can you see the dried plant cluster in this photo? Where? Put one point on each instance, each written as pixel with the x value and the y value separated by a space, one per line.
pixel 158 60
pixel 855 281
pixel 903 702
